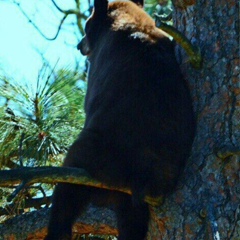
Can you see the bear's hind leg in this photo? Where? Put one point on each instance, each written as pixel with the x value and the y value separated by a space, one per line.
pixel 132 220
pixel 69 201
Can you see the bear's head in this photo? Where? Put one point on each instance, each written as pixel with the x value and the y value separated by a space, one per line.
pixel 120 16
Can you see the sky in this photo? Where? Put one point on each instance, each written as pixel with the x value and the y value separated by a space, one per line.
pixel 20 43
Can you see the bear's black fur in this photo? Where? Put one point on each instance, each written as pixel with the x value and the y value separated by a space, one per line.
pixel 139 124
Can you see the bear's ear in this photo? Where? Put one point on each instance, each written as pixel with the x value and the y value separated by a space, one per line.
pixel 100 8
pixel 139 2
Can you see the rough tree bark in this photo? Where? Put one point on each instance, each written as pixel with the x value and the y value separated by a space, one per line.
pixel 206 204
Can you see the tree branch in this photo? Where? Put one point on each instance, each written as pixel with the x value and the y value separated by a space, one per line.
pixel 33 225
pixel 76 12
pixel 193 52
pixel 27 176
pixel 57 7
pixel 69 11
pixel 30 21
pixel 66 14
pixel 59 27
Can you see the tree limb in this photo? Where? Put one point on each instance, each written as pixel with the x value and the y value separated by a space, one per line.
pixel 33 225
pixel 193 52
pixel 27 176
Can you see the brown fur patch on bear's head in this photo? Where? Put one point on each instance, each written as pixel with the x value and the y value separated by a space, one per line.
pixel 127 16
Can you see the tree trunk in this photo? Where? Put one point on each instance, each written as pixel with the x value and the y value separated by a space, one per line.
pixel 207 203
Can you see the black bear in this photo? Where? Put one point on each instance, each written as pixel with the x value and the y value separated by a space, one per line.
pixel 139 124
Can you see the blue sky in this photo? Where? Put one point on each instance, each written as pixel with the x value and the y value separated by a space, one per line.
pixel 20 42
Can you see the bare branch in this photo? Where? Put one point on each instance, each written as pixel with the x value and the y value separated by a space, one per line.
pixel 66 13
pixel 52 175
pixel 79 24
pixel 58 8
pixel 193 52
pixel 77 4
pixel 76 12
pixel 70 11
pixel 17 191
pixel 20 150
pixel 30 21
pixel 59 27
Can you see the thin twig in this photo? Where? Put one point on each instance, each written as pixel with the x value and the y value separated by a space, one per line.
pixel 17 191
pixel 21 150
